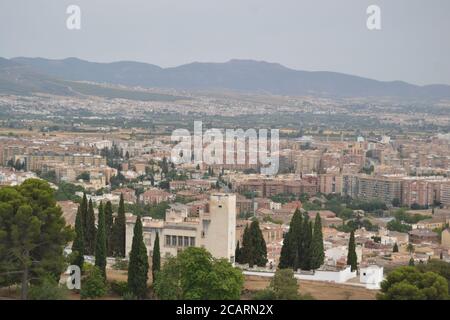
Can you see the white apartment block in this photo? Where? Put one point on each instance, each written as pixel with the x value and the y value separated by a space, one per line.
pixel 214 230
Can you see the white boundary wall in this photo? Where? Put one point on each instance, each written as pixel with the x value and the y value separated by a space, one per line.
pixel 318 275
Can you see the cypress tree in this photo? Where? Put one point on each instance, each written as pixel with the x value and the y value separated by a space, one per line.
pixel 237 253
pixel 78 242
pixel 352 259
pixel 259 244
pixel 304 253
pixel 395 248
pixel 254 250
pixel 109 221
pixel 119 230
pixel 156 258
pixel 89 236
pixel 284 254
pixel 245 254
pixel 138 266
pixel 84 211
pixel 292 242
pixel 100 242
pixel 317 251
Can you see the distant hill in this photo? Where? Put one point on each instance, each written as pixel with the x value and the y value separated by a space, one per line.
pixel 22 79
pixel 237 75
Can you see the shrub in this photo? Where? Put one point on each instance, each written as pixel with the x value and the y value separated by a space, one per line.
pixel 266 294
pixel 119 287
pixel 47 289
pixel 94 285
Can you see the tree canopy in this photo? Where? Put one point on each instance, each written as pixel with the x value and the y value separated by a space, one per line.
pixel 33 234
pixel 408 283
pixel 195 275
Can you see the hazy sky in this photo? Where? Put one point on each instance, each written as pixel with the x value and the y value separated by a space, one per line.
pixel 413 45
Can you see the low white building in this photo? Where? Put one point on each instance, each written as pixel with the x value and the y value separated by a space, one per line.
pixel 371 276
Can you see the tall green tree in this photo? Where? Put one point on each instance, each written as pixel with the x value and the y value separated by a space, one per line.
pixel 78 243
pixel 254 250
pixel 84 212
pixel 156 257
pixel 292 242
pixel 304 253
pixel 352 259
pixel 285 253
pixel 138 266
pixel 109 222
pixel 33 234
pixel 119 230
pixel 89 236
pixel 237 253
pixel 317 251
pixel 246 243
pixel 100 242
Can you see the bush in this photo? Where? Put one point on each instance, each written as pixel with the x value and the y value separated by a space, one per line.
pixel 129 296
pixel 266 294
pixel 87 267
pixel 282 287
pixel 94 285
pixel 48 289
pixel 119 287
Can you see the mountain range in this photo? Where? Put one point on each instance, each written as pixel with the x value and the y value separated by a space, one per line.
pixel 58 76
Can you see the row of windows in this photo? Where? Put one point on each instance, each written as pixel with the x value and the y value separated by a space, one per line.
pixel 180 241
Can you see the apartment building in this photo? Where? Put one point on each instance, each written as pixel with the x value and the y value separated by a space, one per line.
pixel 269 187
pixel 154 196
pixel 308 162
pixel 365 187
pixel 445 194
pixel 36 161
pixel 330 183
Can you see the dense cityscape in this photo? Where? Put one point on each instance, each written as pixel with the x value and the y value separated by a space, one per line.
pixel 387 189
